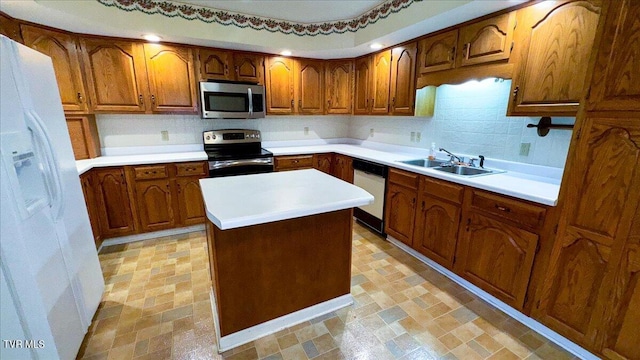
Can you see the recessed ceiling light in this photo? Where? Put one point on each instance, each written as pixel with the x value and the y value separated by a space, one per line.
pixel 152 38
pixel 376 46
pixel 285 53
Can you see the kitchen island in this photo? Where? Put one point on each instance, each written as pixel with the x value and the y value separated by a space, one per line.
pixel 279 250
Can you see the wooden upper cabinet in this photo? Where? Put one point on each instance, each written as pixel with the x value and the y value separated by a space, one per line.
pixel 437 52
pixel 551 77
pixel 248 67
pixel 338 85
pixel 10 28
pixel 616 79
pixel 216 64
pixel 63 50
pixel 362 91
pixel 403 79
pixel 114 206
pixel 116 75
pixel 279 84
pixel 486 41
pixel 380 85
pixel 171 74
pixel 497 257
pixel 310 86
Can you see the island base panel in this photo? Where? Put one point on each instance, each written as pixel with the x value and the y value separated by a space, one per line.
pixel 265 271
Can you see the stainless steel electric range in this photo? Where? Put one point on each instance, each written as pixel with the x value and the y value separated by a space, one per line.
pixel 236 152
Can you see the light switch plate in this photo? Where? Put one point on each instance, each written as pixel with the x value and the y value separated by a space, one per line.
pixel 165 135
pixel 306 130
pixel 371 132
pixel 524 149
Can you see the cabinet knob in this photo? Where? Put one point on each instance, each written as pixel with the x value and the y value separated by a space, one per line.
pixel 80 100
pixel 140 99
pixel 515 93
pixel 292 103
pixel 153 99
pixel 226 69
pixel 452 54
pixel 237 70
pixel 300 104
pixel 503 208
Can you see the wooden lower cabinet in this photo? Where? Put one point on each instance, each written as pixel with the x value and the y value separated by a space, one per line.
pixel 323 162
pixel 155 206
pixel 496 256
pixel 88 190
pixel 343 167
pixel 190 204
pixel 437 220
pixel 293 162
pixel 113 203
pixel 400 205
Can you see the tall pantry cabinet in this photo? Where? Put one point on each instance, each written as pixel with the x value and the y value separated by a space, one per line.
pixel 592 291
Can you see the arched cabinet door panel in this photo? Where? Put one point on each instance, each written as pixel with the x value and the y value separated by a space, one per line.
pixel 172 84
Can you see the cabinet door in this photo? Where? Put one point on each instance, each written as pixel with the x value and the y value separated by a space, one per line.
pixel 293 162
pixel 497 257
pixel 338 86
pixel 91 201
pixel 10 28
pixel 62 48
pixel 437 52
pixel 154 204
pixel 172 83
pixel 83 132
pixel 403 79
pixel 279 80
pixel 400 212
pixel 436 230
pixel 343 167
pixel 215 64
pixel 310 89
pixel 616 79
pixel 362 92
pixel 248 67
pixel 323 162
pixel 551 78
pixel 486 41
pixel 604 185
pixel 114 206
pixel 116 75
pixel 190 204
pixel 380 85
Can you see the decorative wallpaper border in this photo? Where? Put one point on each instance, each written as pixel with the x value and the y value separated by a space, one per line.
pixel 210 15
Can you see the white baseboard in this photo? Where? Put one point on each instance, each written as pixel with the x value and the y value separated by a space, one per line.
pixel 151 235
pixel 272 326
pixel 532 324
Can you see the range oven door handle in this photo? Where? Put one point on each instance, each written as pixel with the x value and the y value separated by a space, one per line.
pixel 221 164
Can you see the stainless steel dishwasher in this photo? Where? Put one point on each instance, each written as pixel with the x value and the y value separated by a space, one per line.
pixel 372 178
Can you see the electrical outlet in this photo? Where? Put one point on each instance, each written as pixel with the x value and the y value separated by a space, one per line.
pixel 165 135
pixel 306 130
pixel 524 149
pixel 413 136
pixel 371 132
pixel 418 136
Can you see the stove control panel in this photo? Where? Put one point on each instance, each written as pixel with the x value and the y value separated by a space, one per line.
pixel 231 136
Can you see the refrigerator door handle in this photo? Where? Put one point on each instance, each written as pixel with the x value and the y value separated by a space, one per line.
pixel 53 177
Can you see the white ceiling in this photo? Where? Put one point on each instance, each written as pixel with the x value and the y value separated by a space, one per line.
pixel 302 11
pixel 421 17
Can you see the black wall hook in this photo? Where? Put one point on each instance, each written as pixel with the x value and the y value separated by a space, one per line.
pixel 544 125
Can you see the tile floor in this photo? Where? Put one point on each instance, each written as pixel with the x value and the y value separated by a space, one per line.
pixel 156 306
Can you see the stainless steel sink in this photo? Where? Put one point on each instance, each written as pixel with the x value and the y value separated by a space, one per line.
pixel 466 170
pixel 424 162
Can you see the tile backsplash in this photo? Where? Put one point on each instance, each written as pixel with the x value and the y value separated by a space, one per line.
pixel 468 119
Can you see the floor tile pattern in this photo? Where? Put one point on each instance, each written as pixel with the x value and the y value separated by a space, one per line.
pixel 156 306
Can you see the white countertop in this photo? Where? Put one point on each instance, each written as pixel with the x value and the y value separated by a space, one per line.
pixel 528 182
pixel 238 201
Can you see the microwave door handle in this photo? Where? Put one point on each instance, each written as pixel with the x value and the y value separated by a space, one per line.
pixel 250 94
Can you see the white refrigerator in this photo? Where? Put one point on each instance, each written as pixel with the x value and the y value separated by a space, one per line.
pixel 50 278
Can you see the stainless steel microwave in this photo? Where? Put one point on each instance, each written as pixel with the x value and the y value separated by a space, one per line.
pixel 231 100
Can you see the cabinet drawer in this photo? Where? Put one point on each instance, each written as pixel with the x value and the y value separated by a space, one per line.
pixel 404 178
pixel 151 172
pixel 442 189
pixel 514 210
pixel 190 169
pixel 293 162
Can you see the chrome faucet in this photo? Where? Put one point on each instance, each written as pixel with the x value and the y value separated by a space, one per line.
pixel 452 156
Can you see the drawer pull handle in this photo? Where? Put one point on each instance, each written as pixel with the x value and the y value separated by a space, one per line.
pixel 503 208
